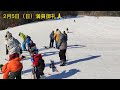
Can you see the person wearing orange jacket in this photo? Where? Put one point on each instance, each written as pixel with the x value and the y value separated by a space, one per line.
pixel 12 69
pixel 57 37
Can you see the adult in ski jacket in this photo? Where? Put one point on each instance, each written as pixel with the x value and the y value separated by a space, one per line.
pixel 23 37
pixel 65 36
pixel 52 39
pixel 57 36
pixel 32 47
pixel 12 45
pixel 62 45
pixel 6 39
pixel 12 69
pixel 28 39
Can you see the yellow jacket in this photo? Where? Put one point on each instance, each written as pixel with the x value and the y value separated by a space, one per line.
pixel 23 37
pixel 57 36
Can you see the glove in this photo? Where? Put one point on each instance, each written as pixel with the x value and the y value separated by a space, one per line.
pixel 23 57
pixel 20 51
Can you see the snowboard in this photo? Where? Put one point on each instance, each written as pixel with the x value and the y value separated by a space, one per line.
pixel 53 67
pixel 47 47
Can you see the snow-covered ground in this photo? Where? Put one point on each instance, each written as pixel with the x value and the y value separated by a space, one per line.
pixel 93 47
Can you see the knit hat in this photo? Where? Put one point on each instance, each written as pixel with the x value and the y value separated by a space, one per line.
pixel 9 35
pixel 19 33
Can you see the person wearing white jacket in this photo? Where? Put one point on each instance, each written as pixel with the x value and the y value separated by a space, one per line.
pixel 12 46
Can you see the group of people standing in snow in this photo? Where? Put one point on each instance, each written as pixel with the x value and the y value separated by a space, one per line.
pixel 61 44
pixel 13 68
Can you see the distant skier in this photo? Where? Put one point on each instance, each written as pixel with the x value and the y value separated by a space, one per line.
pixel 13 68
pixel 51 39
pixel 67 30
pixel 23 37
pixel 74 21
pixel 62 45
pixel 38 66
pixel 57 37
pixel 13 47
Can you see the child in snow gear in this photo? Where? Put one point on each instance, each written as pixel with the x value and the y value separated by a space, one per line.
pixel 51 39
pixel 62 45
pixel 23 37
pixel 32 48
pixel 38 65
pixel 12 69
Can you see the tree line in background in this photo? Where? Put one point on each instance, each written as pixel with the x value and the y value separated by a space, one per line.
pixel 100 13
pixel 5 23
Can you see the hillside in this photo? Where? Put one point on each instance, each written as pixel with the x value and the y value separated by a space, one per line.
pixel 93 47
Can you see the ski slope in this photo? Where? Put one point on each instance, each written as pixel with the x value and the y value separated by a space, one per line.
pixel 93 47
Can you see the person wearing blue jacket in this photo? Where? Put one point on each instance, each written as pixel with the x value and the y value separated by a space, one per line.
pixel 28 39
pixel 51 39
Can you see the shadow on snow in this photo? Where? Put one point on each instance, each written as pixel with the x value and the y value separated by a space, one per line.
pixel 69 63
pixel 84 59
pixel 68 47
pixel 63 74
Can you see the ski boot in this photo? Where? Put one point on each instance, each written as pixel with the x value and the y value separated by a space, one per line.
pixel 63 63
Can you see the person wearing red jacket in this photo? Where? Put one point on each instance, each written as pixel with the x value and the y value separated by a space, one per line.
pixel 38 65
